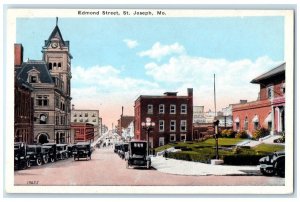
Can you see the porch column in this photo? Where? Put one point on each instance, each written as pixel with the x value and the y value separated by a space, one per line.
pixel 273 125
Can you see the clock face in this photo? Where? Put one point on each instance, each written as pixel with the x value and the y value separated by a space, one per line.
pixel 54 44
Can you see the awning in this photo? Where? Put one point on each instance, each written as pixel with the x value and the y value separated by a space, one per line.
pixel 269 118
pixel 255 119
pixel 237 120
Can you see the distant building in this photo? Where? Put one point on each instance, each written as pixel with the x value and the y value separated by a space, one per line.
pixel 83 132
pixel 172 114
pixel 23 110
pixel 87 116
pixel 198 114
pixel 124 122
pixel 269 110
pixel 201 130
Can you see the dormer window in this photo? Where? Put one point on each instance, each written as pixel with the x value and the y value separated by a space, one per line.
pixel 33 76
pixel 33 79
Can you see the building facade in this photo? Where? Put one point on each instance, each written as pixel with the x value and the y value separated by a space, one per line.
pixel 83 132
pixel 124 122
pixel 23 107
pixel 269 110
pixel 172 115
pixel 51 82
pixel 87 116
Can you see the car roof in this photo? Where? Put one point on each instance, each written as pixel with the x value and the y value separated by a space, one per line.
pixel 49 144
pixel 83 143
pixel 61 145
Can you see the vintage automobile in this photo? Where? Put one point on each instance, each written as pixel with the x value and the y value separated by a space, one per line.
pixel 70 148
pixel 52 151
pixel 117 147
pixel 123 149
pixel 37 154
pixel 22 160
pixel 273 164
pixel 137 154
pixel 62 151
pixel 82 150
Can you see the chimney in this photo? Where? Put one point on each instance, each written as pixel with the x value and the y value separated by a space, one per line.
pixel 122 110
pixel 190 92
pixel 18 48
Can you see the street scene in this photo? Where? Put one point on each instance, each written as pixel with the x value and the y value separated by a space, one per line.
pixel 121 104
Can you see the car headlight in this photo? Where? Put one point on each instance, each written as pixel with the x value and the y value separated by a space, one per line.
pixel 267 158
pixel 16 158
pixel 34 156
pixel 22 157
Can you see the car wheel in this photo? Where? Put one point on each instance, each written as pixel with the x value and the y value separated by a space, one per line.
pixel 267 171
pixel 52 159
pixel 45 159
pixel 280 169
pixel 38 161
pixel 28 163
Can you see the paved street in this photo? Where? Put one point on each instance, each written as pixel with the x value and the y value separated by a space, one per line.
pixel 106 168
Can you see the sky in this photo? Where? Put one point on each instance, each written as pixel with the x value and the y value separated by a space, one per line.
pixel 115 60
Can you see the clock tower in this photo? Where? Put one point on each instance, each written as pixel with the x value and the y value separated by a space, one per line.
pixel 56 54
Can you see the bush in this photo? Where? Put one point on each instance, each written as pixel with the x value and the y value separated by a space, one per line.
pixel 228 133
pixel 262 132
pixel 242 134
pixel 191 156
pixel 242 159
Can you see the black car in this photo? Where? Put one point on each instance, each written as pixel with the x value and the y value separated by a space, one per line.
pixel 123 149
pixel 273 164
pixel 62 151
pixel 117 147
pixel 52 151
pixel 137 154
pixel 37 155
pixel 70 148
pixel 21 160
pixel 82 150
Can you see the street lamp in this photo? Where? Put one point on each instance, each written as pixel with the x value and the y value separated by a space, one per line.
pixel 216 124
pixel 148 126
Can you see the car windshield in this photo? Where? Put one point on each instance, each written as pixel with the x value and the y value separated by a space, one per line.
pixel 82 147
pixel 60 148
pixel 31 149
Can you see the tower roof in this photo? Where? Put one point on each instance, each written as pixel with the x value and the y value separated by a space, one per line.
pixel 56 34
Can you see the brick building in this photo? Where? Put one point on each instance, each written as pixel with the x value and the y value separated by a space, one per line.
pixel 269 110
pixel 23 108
pixel 83 132
pixel 124 122
pixel 172 115
pixel 50 79
pixel 87 116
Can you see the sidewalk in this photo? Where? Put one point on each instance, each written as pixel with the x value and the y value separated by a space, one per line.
pixel 180 167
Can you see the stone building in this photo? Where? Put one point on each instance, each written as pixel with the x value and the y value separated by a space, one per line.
pixel 172 115
pixel 51 82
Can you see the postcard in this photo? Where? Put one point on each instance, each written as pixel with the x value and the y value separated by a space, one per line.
pixel 149 101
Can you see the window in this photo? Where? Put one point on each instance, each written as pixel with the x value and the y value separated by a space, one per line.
pixel 161 109
pixel 43 119
pixel 183 109
pixel 80 114
pixel 172 137
pixel 269 125
pixel 161 125
pixel 42 100
pixel 270 92
pixel 237 125
pixel 172 125
pixel 75 115
pixel 54 64
pixel 81 120
pixel 283 88
pixel 50 66
pixel 94 115
pixel 255 125
pixel 86 120
pixel 86 114
pixel 56 120
pixel 172 109
pixel 75 120
pixel 94 120
pixel 59 64
pixel 182 137
pixel 183 125
pixel 161 141
pixel 150 109
pixel 33 79
pixel 246 124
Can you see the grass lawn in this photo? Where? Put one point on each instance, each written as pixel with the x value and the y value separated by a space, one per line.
pixel 268 148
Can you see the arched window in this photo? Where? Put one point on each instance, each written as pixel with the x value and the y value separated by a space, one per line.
pixel 50 66
pixel 43 119
pixel 54 64
pixel 59 64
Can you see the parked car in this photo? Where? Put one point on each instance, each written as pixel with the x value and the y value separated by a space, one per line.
pixel 82 150
pixel 70 149
pixel 52 151
pixel 273 164
pixel 137 154
pixel 22 160
pixel 36 154
pixel 123 149
pixel 62 151
pixel 116 149
pixel 46 153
